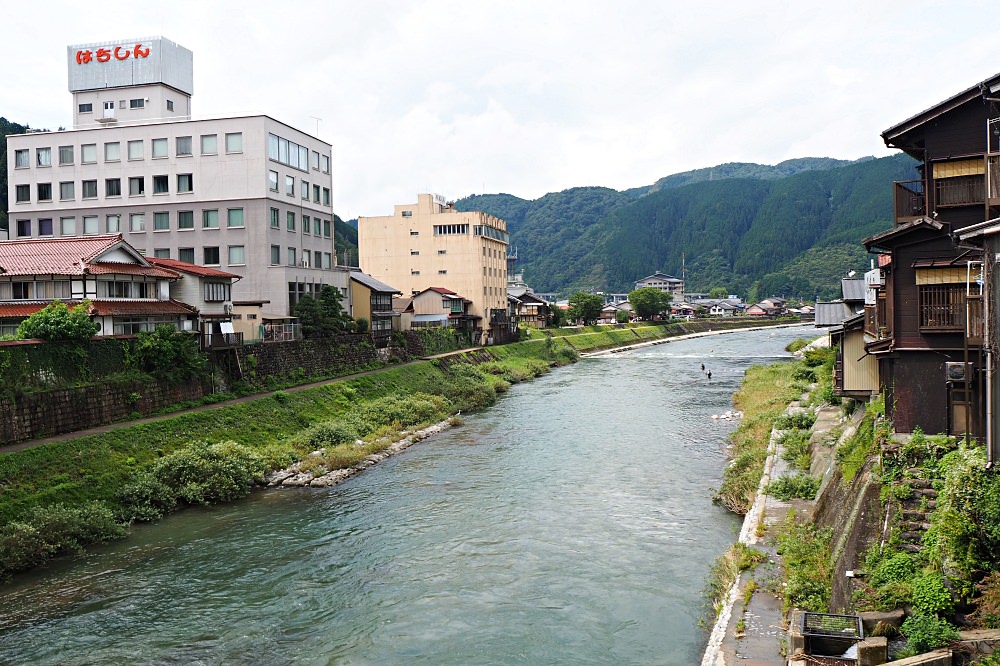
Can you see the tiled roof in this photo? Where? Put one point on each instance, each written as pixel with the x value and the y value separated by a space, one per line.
pixel 25 308
pixel 117 268
pixel 123 308
pixel 193 269
pixel 373 284
pixel 70 256
pixel 442 290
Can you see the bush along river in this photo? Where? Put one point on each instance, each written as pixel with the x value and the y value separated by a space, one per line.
pixel 572 523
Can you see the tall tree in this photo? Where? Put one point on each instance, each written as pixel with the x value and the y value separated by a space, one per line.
pixel 649 301
pixel 585 307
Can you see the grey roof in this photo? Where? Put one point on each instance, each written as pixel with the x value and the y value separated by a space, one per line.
pixel 854 289
pixel 832 313
pixel 373 284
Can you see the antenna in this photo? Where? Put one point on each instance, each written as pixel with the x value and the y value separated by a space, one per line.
pixel 317 124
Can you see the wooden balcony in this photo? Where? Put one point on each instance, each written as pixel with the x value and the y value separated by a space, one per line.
pixel 960 191
pixel 909 200
pixel 215 341
pixel 877 321
pixel 943 309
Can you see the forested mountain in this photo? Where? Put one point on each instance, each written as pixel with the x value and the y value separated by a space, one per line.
pixel 6 127
pixel 795 235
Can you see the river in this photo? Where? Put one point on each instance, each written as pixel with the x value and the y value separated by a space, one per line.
pixel 572 523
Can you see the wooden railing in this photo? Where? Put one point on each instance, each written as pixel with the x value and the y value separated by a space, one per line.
pixel 943 308
pixel 960 191
pixel 909 200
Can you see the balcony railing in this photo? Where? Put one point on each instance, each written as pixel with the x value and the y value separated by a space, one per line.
pixel 221 340
pixel 281 332
pixel 877 321
pixel 909 199
pixel 993 174
pixel 943 309
pixel 960 191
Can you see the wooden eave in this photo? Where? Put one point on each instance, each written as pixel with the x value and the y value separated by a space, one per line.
pixel 891 236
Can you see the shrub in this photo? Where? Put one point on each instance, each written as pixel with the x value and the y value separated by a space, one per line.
pixel 57 321
pixel 796 420
pixel 328 434
pixel 926 632
pixel 805 553
pixel 931 597
pixel 167 353
pixel 204 473
pixel 795 448
pixel 899 568
pixel 804 374
pixel 987 613
pixel 786 488
pixel 146 499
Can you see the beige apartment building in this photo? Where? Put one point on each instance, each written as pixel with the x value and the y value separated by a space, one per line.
pixel 249 195
pixel 430 244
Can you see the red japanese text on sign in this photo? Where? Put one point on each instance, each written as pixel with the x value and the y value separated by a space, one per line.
pixel 104 54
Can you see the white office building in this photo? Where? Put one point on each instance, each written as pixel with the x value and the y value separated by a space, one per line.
pixel 246 194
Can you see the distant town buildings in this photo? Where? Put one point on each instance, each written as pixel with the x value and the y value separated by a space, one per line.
pixel 668 283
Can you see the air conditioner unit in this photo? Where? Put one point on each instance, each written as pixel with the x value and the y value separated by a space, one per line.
pixel 227 308
pixel 304 263
pixel 956 371
pixel 874 278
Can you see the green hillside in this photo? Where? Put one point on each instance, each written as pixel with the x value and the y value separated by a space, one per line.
pixel 6 127
pixel 794 235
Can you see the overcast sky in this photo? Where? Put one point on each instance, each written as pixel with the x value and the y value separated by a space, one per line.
pixel 527 97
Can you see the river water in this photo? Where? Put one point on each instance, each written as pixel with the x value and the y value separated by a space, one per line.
pixel 570 524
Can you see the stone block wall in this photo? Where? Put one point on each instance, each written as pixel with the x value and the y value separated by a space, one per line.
pixel 315 356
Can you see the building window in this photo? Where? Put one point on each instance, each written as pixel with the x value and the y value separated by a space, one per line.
pixel 290 185
pixel 274 218
pixel 113 187
pixel 136 186
pixel 23 228
pixel 67 226
pixel 210 219
pixel 161 253
pixel 45 227
pixel 317 259
pixel 234 142
pixel 236 255
pixel 66 192
pixel 137 103
pixel 21 291
pixel 89 189
pixel 86 108
pixel 317 226
pixel 414 253
pixel 305 224
pixel 408 213
pixel 170 105
pixel 326 229
pixel 137 222
pixel 45 191
pixel 272 181
pixel 217 292
pixel 185 254
pixel 65 155
pixel 287 152
pixel 113 152
pixel 291 256
pixel 451 229
pixel 161 185
pixel 275 255
pixel 135 150
pixel 161 221
pixel 290 221
pixel 90 225
pixel 326 164
pixel 183 145
pixel 21 159
pixel 327 260
pixel 305 190
pixel 159 148
pixel 234 217
pixel 442 251
pixel 211 256
pixel 185 219
pixel 315 193
pixel 414 272
pixel 315 163
pixel 43 157
pixel 209 144
pixel 326 196
pixel 113 223
pixel 443 271
pixel 22 193
pixel 185 182
pixel 88 153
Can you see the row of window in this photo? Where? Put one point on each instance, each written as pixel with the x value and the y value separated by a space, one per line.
pixel 138 103
pixel 272 183
pixel 112 188
pixel 211 255
pixel 448 230
pixel 311 226
pixel 314 259
pixel 89 224
pixel 416 253
pixel 135 150
pixel 37 290
pixel 293 155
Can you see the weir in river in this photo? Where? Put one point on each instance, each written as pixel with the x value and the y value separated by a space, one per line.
pixel 572 523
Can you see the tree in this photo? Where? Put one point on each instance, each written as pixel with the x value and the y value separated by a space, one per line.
pixel 167 353
pixel 56 321
pixel 322 316
pixel 557 316
pixel 622 316
pixel 649 301
pixel 585 307
pixel 718 292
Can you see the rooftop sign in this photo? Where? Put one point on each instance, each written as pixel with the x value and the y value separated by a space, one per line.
pixel 130 62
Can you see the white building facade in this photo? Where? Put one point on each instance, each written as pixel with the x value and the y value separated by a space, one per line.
pixel 246 194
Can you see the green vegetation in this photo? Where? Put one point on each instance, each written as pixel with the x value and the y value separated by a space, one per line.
pixel 795 448
pixel 166 353
pixel 785 488
pixel 585 307
pixel 58 322
pixel 322 316
pixel 726 570
pixel 805 553
pixel 649 302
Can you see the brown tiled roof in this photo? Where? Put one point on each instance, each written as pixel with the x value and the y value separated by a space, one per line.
pixel 123 308
pixel 116 268
pixel 193 269
pixel 70 256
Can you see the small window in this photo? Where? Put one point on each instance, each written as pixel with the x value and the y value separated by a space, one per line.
pixel 290 221
pixel 43 157
pixel 291 256
pixel 159 148
pixel 161 184
pixel 326 164
pixel 88 153
pixel 315 162
pixel 317 259
pixel 90 225
pixel 185 219
pixel 67 226
pixel 86 108
pixel 65 154
pixel 275 255
pixel 22 193
pixel 442 251
pixel 161 253
pixel 66 191
pixel 45 191
pixel 317 226
pixel 21 159
pixel 234 217
pixel 183 145
pixel 137 222
pixel 185 182
pixel 414 233
pixel 113 187
pixel 136 186
pixel 210 219
pixel 326 196
pixel 45 227
pixel 135 150
pixel 326 228
pixel 89 189
pixel 305 224
pixel 234 142
pixel 237 256
pixel 290 185
pixel 23 228
pixel 113 152
pixel 211 256
pixel 185 254
pixel 443 272
pixel 408 213
pixel 170 105
pixel 305 190
pixel 275 215
pixel 316 190
pixel 113 223
pixel 414 253
pixel 161 221
pixel 272 181
pixel 414 272
pixel 137 103
pixel 209 144
pixel 327 260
